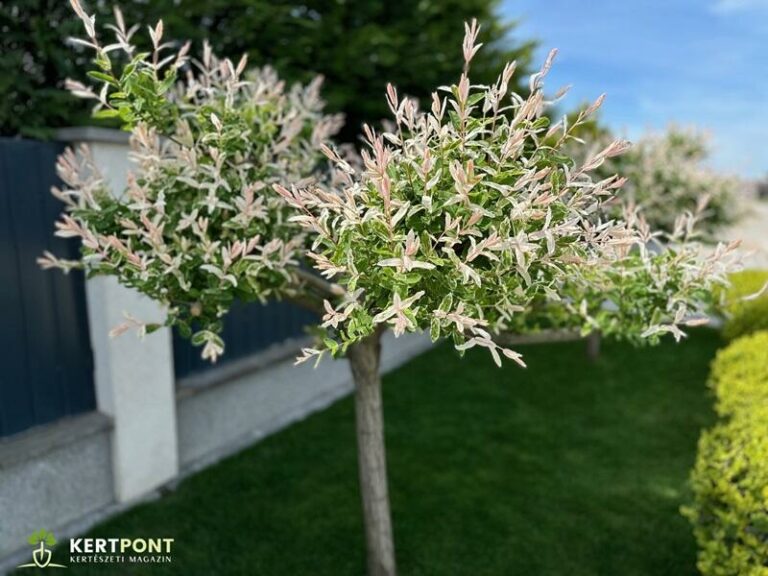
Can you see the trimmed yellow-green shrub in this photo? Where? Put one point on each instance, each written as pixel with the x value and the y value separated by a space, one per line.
pixel 739 375
pixel 745 316
pixel 730 478
pixel 730 515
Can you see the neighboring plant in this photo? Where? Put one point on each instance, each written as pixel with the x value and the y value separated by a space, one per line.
pixel 467 221
pixel 357 46
pixel 666 175
pixel 730 479
pixel 194 228
pixel 745 303
pixel 33 65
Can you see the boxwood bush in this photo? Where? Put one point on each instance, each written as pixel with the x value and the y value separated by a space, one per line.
pixel 744 317
pixel 740 375
pixel 730 478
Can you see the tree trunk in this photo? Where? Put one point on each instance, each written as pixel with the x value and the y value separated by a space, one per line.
pixel 372 464
pixel 593 346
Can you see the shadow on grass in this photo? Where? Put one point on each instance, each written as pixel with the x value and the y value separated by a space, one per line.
pixel 564 468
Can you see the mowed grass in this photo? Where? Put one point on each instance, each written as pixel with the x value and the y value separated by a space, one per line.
pixel 565 468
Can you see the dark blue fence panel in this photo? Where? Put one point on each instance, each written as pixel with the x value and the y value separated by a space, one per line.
pixel 248 328
pixel 46 366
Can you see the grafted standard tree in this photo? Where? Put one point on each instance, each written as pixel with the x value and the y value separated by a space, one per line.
pixel 468 220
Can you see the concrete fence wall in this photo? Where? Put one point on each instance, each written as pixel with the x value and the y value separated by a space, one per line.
pixel 150 430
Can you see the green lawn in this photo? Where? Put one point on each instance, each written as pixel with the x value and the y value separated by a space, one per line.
pixel 566 468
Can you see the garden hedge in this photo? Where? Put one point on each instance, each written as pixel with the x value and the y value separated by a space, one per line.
pixel 730 478
pixel 745 317
pixel 740 375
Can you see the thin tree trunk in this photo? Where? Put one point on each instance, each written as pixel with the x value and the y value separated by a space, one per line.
pixel 371 456
pixel 593 346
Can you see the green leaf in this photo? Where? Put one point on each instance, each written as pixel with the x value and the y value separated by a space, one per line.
pixel 106 113
pixel 331 344
pixel 184 329
pixel 434 329
pixel 475 98
pixel 153 328
pixel 412 278
pixel 199 338
pixel 103 77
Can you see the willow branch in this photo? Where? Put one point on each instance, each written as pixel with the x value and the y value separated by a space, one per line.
pixel 308 302
pixel 546 336
pixel 325 288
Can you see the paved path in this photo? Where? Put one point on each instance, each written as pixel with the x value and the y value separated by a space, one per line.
pixel 753 233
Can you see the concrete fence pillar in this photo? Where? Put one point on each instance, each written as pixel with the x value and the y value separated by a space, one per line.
pixel 135 382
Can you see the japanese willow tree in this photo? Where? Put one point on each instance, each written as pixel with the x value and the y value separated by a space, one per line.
pixel 666 175
pixel 467 220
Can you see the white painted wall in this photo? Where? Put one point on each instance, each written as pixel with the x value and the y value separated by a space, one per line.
pixel 135 382
pixel 135 386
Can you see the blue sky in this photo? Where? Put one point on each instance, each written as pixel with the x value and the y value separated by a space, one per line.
pixel 691 62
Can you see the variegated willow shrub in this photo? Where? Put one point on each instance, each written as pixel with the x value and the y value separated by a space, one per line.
pixel 466 220
pixel 470 219
pixel 198 224
pixel 667 174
